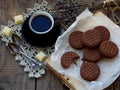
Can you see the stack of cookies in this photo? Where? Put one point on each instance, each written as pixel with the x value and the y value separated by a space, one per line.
pixel 96 45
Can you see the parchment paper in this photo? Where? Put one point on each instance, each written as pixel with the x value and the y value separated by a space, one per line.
pixel 110 68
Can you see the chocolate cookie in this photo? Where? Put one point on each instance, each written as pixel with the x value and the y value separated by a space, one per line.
pixel 91 54
pixel 75 39
pixel 104 32
pixel 108 49
pixel 91 38
pixel 68 58
pixel 89 71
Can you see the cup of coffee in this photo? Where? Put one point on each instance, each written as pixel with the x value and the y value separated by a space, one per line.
pixel 41 22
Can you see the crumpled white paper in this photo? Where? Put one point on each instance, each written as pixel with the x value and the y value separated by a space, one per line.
pixel 110 68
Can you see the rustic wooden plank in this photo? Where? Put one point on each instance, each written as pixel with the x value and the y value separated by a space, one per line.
pixel 10 8
pixel 12 76
pixel 50 82
pixel 117 84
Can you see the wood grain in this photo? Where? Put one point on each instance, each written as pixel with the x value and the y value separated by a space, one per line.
pixel 12 76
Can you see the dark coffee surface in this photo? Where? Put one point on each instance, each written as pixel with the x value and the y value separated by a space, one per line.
pixel 42 40
pixel 41 23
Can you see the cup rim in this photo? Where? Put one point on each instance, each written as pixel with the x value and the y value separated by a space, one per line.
pixel 41 13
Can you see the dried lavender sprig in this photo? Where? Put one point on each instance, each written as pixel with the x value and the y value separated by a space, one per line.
pixel 67 10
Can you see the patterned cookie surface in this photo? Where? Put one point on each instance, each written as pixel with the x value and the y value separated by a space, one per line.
pixel 89 71
pixel 108 49
pixel 75 39
pixel 91 38
pixel 91 54
pixel 68 58
pixel 104 32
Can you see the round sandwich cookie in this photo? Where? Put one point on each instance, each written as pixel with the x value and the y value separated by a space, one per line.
pixel 104 32
pixel 91 54
pixel 108 49
pixel 91 38
pixel 75 40
pixel 89 71
pixel 68 58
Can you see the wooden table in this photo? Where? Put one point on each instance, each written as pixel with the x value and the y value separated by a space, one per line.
pixel 12 76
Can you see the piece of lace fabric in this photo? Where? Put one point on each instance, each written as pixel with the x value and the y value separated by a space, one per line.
pixel 30 50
